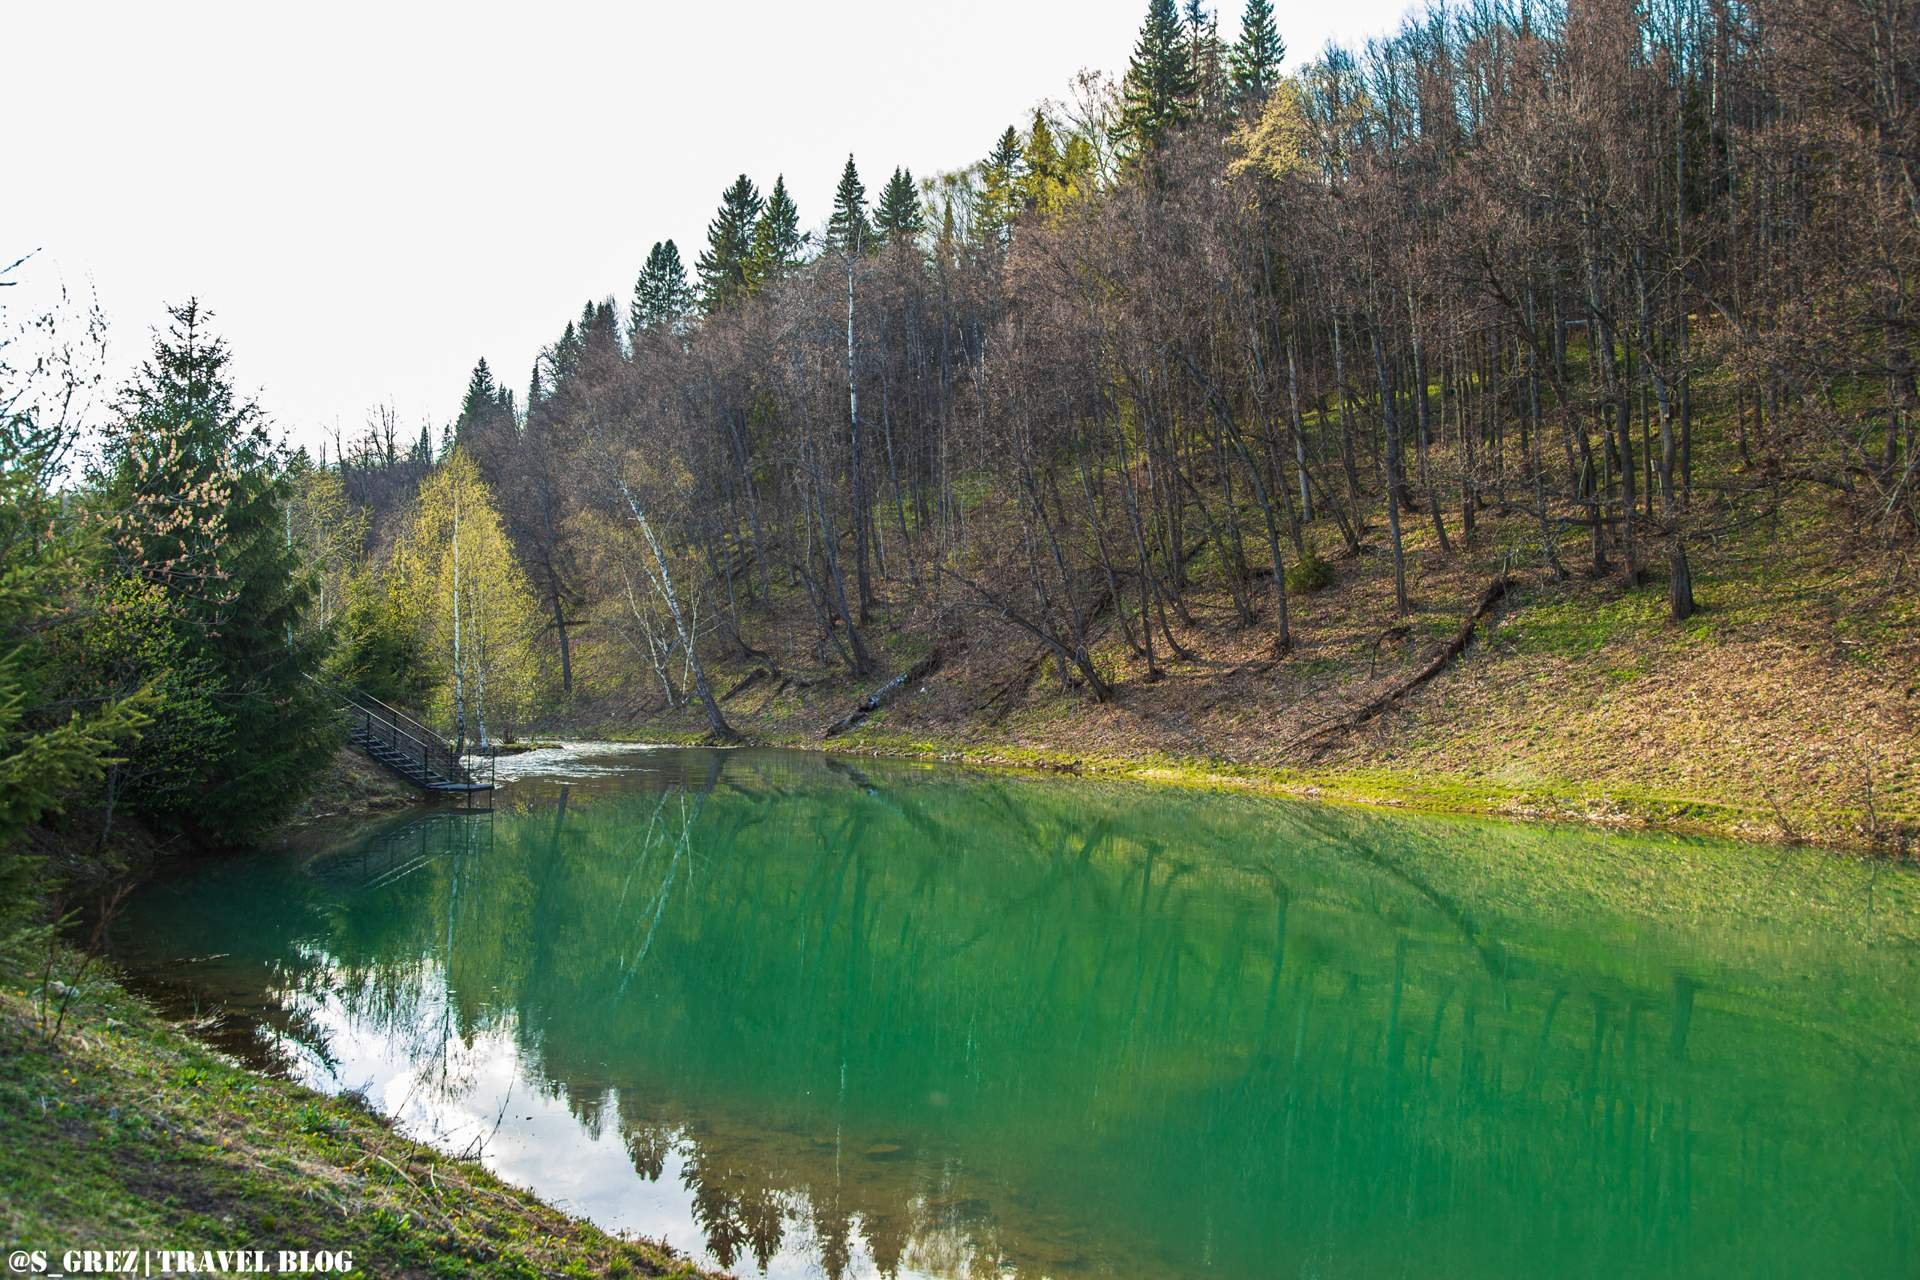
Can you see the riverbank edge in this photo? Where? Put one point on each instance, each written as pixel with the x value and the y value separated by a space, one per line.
pixel 119 1128
pixel 1843 831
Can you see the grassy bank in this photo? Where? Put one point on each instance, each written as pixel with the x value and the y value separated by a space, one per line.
pixel 1426 793
pixel 1787 708
pixel 120 1130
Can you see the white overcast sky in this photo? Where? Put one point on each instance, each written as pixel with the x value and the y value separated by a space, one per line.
pixel 371 196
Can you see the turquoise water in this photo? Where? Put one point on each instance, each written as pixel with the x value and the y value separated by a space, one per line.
pixel 806 1017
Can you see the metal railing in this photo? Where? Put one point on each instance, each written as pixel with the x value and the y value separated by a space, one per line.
pixel 380 723
pixel 405 737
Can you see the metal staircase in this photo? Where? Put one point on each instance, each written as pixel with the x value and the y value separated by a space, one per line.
pixel 405 747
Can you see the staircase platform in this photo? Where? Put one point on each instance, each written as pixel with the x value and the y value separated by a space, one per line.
pixel 409 750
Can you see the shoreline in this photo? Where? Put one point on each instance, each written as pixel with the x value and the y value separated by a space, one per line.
pixel 1844 832
pixel 119 1122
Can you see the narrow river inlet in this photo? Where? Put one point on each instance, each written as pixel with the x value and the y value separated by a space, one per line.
pixel 802 1016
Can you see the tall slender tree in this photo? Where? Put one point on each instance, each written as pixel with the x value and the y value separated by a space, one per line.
pixel 662 298
pixel 1256 56
pixel 1160 86
pixel 198 495
pixel 1000 197
pixel 848 230
pixel 777 241
pixel 898 217
pixel 725 266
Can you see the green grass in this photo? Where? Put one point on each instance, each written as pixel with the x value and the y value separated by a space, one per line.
pixel 122 1130
pixel 1545 799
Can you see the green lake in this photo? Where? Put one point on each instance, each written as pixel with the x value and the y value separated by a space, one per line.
pixel 796 1014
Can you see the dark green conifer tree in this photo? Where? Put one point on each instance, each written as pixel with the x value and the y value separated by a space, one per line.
pixel 662 298
pixel 898 218
pixel 776 237
pixel 198 490
pixel 848 231
pixel 600 332
pixel 1160 87
pixel 1000 197
pixel 1212 90
pixel 479 407
pixel 563 358
pixel 724 267
pixel 1257 55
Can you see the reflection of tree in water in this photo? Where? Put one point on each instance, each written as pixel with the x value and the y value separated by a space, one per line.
pixel 953 1023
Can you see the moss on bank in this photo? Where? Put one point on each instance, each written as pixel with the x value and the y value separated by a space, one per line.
pixel 120 1130
pixel 1796 821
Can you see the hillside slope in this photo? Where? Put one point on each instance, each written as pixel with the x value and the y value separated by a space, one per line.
pixel 1785 709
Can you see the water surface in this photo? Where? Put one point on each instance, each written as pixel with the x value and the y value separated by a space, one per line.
pixel 808 1018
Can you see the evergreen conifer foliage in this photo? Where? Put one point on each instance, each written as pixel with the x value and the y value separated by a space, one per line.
pixel 1160 85
pixel 1001 197
pixel 848 231
pixel 898 217
pixel 486 410
pixel 662 298
pixel 1255 60
pixel 777 241
pixel 196 493
pixel 725 266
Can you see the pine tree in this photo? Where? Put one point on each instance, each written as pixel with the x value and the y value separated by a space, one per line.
pixel 662 298
pixel 776 236
pixel 1160 88
pixel 724 266
pixel 898 217
pixel 1257 55
pixel 847 230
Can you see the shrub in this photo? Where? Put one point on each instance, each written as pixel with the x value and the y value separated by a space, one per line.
pixel 1308 574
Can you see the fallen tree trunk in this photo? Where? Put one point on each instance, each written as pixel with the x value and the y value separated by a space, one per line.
pixel 884 694
pixel 752 678
pixel 1495 592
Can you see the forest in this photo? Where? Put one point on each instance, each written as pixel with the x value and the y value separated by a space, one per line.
pixel 1569 297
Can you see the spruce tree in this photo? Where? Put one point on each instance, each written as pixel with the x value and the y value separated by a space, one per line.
pixel 1212 91
pixel 776 237
pixel 724 266
pixel 563 357
pixel 600 331
pixel 847 230
pixel 198 493
pixel 662 298
pixel 480 406
pixel 1043 185
pixel 1160 87
pixel 898 218
pixel 1257 55
pixel 1000 199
